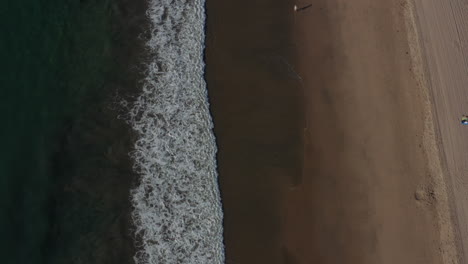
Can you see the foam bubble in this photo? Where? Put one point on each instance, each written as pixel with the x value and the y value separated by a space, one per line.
pixel 178 215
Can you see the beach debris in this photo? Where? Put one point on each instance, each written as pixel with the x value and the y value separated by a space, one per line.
pixel 426 194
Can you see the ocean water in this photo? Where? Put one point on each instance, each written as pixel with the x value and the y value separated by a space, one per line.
pixel 51 63
pixel 84 178
pixel 177 207
pixel 65 170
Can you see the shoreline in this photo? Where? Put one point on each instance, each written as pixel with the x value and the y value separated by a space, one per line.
pixel 176 204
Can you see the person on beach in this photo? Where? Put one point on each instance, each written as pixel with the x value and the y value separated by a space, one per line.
pixel 464 120
pixel 302 8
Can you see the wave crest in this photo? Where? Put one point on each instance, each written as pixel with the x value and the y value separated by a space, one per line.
pixel 178 215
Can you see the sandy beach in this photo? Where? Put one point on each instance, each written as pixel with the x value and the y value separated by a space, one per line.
pixel 367 99
pixel 374 188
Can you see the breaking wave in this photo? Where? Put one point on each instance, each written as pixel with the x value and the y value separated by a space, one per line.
pixel 177 207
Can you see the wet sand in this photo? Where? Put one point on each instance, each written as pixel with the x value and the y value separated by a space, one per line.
pixel 256 102
pixel 368 184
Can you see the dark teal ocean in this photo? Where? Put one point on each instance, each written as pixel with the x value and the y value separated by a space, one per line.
pixel 64 166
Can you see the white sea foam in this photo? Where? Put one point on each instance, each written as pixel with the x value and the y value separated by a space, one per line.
pixel 177 213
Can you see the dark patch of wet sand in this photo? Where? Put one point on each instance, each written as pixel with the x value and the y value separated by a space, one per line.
pixel 256 102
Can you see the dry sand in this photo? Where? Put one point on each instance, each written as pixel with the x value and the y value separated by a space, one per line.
pixel 373 188
pixel 444 31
